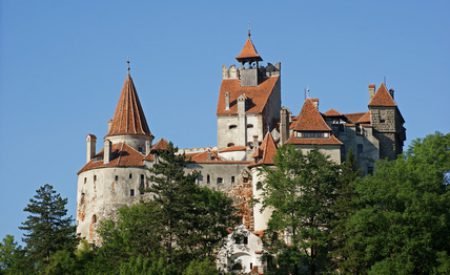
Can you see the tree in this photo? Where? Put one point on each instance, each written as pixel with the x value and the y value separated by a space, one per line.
pixel 402 223
pixel 302 190
pixel 12 257
pixel 181 222
pixel 47 228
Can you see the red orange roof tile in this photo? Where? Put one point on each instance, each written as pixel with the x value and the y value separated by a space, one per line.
pixel 122 155
pixel 162 144
pixel 257 96
pixel 233 149
pixel 248 52
pixel 382 98
pixel 310 119
pixel 269 149
pixel 333 112
pixel 129 118
pixel 364 119
pixel 354 117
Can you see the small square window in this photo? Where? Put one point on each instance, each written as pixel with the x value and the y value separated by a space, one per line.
pixel 132 192
pixel 219 180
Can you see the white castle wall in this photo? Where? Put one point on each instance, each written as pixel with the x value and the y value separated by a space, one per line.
pixel 100 194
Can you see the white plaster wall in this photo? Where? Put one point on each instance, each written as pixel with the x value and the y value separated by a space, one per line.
pixel 334 152
pixel 261 217
pixel 105 195
pixel 226 135
pixel 137 141
pixel 233 155
pixel 257 121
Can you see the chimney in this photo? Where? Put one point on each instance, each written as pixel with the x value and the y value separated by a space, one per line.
pixel 227 101
pixel 284 125
pixel 109 125
pixel 241 104
pixel 107 151
pixel 148 146
pixel 90 147
pixel 315 101
pixel 371 90
pixel 391 92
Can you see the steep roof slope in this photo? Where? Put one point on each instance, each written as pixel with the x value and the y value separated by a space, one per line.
pixel 310 119
pixel 382 98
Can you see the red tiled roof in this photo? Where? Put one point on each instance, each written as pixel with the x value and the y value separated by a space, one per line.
pixel 122 155
pixel 248 52
pixel 332 140
pixel 269 149
pixel 233 148
pixel 382 98
pixel 364 119
pixel 204 158
pixel 257 96
pixel 333 112
pixel 354 117
pixel 162 144
pixel 310 119
pixel 129 118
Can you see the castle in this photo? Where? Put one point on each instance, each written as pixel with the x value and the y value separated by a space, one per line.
pixel 251 125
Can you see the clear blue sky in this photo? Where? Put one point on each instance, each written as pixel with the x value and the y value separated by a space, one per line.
pixel 62 65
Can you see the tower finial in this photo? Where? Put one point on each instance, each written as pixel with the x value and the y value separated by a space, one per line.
pixel 249 30
pixel 128 66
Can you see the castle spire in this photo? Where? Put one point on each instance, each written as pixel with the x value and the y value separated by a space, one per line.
pixel 248 52
pixel 129 118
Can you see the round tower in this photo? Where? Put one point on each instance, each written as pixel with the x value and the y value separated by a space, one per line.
pixel 116 175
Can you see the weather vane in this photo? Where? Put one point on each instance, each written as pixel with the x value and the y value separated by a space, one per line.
pixel 249 30
pixel 128 66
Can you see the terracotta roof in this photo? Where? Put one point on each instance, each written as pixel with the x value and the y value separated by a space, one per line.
pixel 233 148
pixel 382 98
pixel 122 155
pixel 333 112
pixel 310 119
pixel 269 149
pixel 129 118
pixel 364 119
pixel 213 158
pixel 354 117
pixel 257 96
pixel 332 140
pixel 162 144
pixel 248 52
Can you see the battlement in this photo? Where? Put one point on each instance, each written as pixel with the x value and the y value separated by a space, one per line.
pixel 234 72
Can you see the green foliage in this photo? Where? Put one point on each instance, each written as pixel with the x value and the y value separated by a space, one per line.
pixel 201 267
pixel 12 257
pixel 47 228
pixel 402 221
pixel 302 190
pixel 181 223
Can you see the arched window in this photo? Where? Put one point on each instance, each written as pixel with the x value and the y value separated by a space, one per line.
pixel 232 126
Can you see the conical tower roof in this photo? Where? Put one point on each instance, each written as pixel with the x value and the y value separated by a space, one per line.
pixel 129 118
pixel 248 52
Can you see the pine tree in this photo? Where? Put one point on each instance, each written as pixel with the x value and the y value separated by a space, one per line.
pixel 47 228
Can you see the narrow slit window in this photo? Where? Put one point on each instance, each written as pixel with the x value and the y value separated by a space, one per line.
pixel 132 192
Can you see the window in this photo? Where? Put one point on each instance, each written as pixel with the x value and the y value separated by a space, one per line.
pixel 95 177
pixel 312 134
pixel 249 125
pixel 130 176
pixel 382 116
pixel 116 178
pixel 232 179
pixel 132 192
pixel 370 170
pixel 245 240
pixel 208 179
pixel 219 180
pixel 85 179
pixel 230 144
pixel 140 149
pixel 232 126
pixel 142 185
pixel 258 185
pixel 94 218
